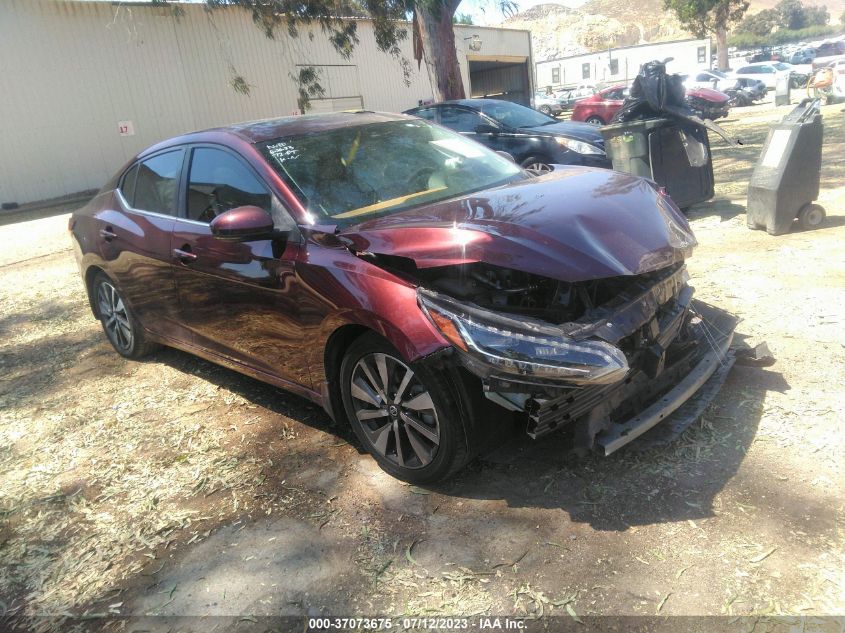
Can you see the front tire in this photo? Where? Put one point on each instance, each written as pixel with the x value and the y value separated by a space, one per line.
pixel 404 415
pixel 119 324
pixel 546 110
pixel 595 120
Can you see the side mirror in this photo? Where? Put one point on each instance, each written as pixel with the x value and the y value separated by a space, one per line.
pixel 243 223
pixel 484 128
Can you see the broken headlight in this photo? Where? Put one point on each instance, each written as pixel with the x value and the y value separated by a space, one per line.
pixel 522 346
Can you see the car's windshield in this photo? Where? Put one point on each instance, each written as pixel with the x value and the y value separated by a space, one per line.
pixel 719 74
pixel 354 173
pixel 781 66
pixel 513 115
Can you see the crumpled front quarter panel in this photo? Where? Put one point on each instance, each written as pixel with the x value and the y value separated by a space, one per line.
pixel 341 289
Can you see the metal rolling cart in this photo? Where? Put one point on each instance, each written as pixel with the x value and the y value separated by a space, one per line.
pixel 785 181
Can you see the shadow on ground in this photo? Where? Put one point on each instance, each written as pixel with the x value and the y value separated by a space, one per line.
pixel 632 487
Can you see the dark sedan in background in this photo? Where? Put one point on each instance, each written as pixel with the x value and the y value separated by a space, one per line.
pixel 536 141
pixel 422 288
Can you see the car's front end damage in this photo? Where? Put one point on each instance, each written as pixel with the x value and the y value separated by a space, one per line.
pixel 569 300
pixel 611 374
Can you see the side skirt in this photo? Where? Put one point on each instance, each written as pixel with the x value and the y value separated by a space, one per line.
pixel 241 368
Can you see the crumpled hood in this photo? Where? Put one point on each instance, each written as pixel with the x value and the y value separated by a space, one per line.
pixel 573 224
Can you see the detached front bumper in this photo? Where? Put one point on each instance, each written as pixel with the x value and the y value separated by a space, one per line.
pixel 606 418
pixel 678 353
pixel 625 366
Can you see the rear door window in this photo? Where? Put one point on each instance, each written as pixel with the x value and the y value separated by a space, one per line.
pixel 157 183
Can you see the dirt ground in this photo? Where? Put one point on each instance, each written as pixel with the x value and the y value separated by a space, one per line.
pixel 174 487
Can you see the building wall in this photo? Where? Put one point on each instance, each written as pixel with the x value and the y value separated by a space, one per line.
pixel 568 71
pixel 70 71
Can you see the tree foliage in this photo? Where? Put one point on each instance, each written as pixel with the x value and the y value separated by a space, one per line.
pixel 431 30
pixel 761 23
pixel 702 17
pixel 337 21
pixel 747 40
pixel 790 15
pixel 817 16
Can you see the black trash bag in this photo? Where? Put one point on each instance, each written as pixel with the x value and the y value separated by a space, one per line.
pixel 654 94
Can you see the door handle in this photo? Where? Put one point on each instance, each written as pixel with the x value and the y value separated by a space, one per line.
pixel 107 234
pixel 186 257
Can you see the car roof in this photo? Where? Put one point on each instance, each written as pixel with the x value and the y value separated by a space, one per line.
pixel 469 103
pixel 614 87
pixel 269 129
pixel 251 132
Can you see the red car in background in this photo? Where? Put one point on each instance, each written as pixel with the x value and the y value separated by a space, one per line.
pixel 600 108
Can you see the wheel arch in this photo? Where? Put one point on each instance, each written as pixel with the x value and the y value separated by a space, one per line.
pixel 90 274
pixel 341 333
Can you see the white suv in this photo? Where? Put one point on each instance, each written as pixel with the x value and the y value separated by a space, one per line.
pixel 767 72
pixel 715 79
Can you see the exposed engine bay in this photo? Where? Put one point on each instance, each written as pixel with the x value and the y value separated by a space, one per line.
pixel 521 293
pixel 667 347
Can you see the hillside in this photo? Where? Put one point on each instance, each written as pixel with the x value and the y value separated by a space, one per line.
pixel 573 27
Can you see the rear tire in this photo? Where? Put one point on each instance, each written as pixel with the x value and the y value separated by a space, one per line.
pixel 120 326
pixel 595 120
pixel 404 415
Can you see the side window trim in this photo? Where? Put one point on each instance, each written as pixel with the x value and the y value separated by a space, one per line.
pixel 133 169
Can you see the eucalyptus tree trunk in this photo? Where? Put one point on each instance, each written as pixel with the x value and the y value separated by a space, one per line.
pixel 722 48
pixel 434 42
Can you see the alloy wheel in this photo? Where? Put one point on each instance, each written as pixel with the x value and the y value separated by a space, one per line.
pixel 538 167
pixel 114 316
pixel 395 410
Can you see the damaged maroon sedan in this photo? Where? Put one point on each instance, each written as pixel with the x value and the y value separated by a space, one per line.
pixel 415 284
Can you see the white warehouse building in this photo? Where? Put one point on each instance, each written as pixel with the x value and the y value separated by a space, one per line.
pixel 86 85
pixel 620 65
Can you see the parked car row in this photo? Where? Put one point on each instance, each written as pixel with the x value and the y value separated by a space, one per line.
pixel 798 54
pixel 554 103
